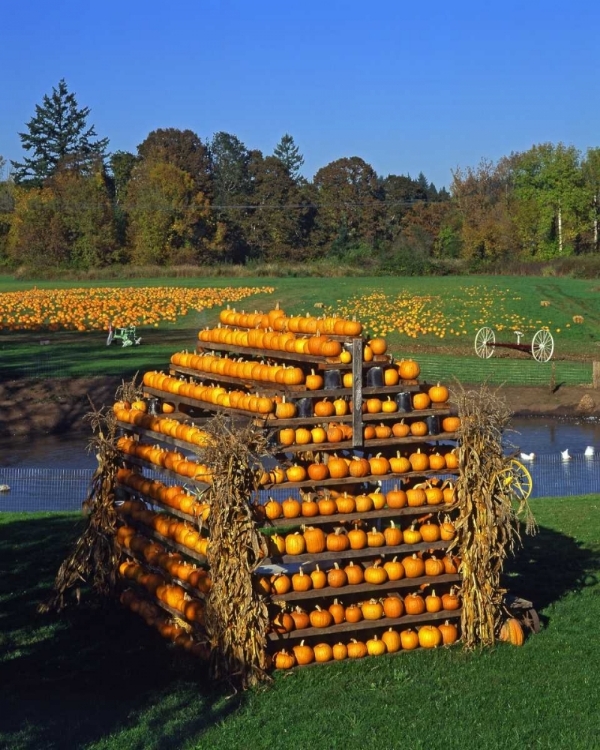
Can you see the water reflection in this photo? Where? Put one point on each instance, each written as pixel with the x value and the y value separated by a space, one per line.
pixel 53 472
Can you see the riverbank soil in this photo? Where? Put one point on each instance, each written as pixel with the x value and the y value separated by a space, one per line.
pixel 35 406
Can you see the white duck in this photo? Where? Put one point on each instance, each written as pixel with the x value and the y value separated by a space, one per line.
pixel 527 456
pixel 4 488
pixel 565 455
pixel 589 451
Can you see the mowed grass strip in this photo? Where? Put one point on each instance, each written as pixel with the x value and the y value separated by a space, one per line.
pixel 98 677
pixel 419 316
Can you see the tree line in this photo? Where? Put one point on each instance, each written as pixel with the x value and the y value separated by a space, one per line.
pixel 70 203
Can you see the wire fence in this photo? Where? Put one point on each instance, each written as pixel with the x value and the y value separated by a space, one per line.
pixel 505 371
pixel 33 490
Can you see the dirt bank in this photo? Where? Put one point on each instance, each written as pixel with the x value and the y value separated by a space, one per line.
pixel 30 407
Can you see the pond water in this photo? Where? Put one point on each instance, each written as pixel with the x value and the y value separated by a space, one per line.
pixel 53 472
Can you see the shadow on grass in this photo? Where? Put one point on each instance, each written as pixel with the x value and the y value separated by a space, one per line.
pixel 548 566
pixel 95 670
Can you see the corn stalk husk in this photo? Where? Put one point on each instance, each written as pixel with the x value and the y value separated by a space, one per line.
pixel 236 616
pixel 93 559
pixel 488 524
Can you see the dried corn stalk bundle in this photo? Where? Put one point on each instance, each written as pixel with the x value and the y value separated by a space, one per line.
pixel 488 523
pixel 129 390
pixel 236 615
pixel 93 559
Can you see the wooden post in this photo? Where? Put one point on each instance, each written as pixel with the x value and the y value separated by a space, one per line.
pixel 595 374
pixel 357 421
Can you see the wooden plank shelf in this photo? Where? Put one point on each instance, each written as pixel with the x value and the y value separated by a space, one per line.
pixel 370 516
pixel 370 479
pixel 272 421
pixel 350 627
pixel 375 443
pixel 135 461
pixel 153 501
pixel 354 554
pixel 165 541
pixel 196 628
pixel 267 388
pixel 192 590
pixel 159 437
pixel 363 588
pixel 313 360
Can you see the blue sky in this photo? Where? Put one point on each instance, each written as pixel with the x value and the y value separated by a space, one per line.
pixel 408 87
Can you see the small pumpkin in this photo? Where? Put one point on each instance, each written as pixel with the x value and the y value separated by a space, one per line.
pixel 372 610
pixel 320 618
pixel 304 654
pixel 376 647
pixel 323 652
pixel 393 535
pixel 438 394
pixel 408 369
pixel 449 633
pixel 393 606
pixel 433 602
pixel 356 649
pixel 392 641
pixel 284 660
pixel 318 578
pixel 353 613
pixel 375 574
pixel 409 639
pixel 429 636
pixel 394 569
pixel 337 540
pixel 337 611
pixel 314 539
pixel 414 567
pixel 354 573
pixel 301 581
pixel 414 604
pixel 336 577
pixel 300 618
pixel 512 632
pixel 295 544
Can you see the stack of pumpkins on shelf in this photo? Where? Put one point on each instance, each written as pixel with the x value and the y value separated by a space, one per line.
pixel 364 469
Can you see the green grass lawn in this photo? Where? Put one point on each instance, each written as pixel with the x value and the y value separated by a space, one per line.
pixel 453 306
pixel 97 677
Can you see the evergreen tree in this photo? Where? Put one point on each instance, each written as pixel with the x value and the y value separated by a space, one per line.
pixel 288 153
pixel 58 133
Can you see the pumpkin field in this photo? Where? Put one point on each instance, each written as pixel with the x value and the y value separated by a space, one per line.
pixel 438 316
pixel 99 678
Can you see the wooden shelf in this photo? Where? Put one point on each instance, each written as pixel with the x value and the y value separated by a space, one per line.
pixel 358 480
pixel 161 469
pixel 152 501
pixel 353 554
pixel 415 414
pixel 375 443
pixel 363 588
pixel 159 436
pixel 161 572
pixel 169 543
pixel 370 516
pixel 350 627
pixel 313 360
pixel 268 388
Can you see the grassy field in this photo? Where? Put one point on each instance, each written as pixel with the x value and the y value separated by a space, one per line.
pixel 98 678
pixel 434 316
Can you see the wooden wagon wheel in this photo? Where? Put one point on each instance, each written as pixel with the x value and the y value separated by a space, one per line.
pixel 542 345
pixel 485 340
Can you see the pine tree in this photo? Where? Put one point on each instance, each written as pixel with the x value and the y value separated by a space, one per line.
pixel 287 152
pixel 57 133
